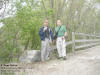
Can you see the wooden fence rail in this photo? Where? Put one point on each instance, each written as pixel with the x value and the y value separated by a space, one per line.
pixel 86 42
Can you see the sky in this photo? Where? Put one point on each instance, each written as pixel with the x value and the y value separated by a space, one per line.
pixel 8 7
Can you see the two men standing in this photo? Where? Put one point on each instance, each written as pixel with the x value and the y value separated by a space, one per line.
pixel 46 36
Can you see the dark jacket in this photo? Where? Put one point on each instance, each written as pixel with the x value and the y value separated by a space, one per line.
pixel 43 35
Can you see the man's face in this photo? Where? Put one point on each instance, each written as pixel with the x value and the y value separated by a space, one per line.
pixel 59 22
pixel 46 23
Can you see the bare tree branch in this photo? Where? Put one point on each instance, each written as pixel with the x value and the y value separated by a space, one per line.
pixel 3 5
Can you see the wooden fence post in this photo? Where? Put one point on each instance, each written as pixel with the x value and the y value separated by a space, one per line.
pixel 73 42
pixel 84 37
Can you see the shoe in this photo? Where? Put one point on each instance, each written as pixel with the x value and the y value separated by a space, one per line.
pixel 59 57
pixel 64 58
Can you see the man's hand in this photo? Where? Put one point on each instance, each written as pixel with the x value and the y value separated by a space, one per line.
pixel 54 41
pixel 63 37
pixel 45 28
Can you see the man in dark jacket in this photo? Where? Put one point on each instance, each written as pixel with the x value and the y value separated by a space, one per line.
pixel 46 37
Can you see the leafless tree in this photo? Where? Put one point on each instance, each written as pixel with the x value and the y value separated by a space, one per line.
pixel 3 5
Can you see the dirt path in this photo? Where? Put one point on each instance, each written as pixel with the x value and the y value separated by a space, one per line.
pixel 85 62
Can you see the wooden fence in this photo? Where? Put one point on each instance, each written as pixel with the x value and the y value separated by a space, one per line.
pixel 88 40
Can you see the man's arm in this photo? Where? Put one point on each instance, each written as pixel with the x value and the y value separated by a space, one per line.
pixel 41 32
pixel 51 34
pixel 65 34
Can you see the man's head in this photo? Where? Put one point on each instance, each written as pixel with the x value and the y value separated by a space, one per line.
pixel 46 23
pixel 59 22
